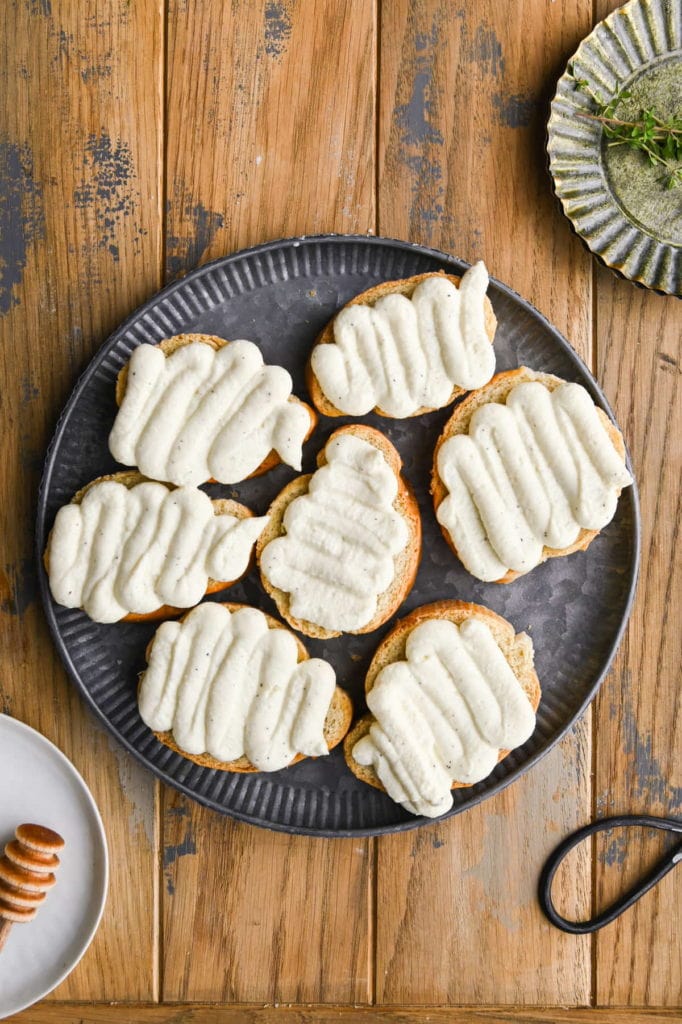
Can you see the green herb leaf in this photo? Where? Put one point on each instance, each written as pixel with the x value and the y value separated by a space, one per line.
pixel 660 141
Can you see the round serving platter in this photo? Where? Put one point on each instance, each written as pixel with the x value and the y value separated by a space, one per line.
pixel 280 295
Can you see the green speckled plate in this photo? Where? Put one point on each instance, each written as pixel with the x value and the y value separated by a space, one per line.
pixel 617 203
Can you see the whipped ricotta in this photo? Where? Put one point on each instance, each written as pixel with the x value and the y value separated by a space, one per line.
pixel 529 474
pixel 443 715
pixel 200 414
pixel 402 355
pixel 228 685
pixel 338 553
pixel 127 550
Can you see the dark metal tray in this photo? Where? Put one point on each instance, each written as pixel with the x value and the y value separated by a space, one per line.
pixel 280 295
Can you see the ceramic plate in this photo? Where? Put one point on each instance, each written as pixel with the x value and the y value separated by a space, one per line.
pixel 39 784
pixel 280 295
pixel 618 203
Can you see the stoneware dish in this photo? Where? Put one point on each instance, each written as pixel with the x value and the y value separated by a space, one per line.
pixel 280 295
pixel 616 201
pixel 40 785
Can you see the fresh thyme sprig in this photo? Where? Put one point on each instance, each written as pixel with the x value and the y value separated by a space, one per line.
pixel 660 140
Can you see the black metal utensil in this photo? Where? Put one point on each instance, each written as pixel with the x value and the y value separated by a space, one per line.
pixel 593 924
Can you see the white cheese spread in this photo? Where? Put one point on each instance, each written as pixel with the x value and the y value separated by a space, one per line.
pixel 528 474
pixel 136 549
pixel 228 685
pixel 200 414
pixel 402 355
pixel 443 715
pixel 338 553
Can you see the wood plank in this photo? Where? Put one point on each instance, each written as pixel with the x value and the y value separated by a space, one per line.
pixel 461 168
pixel 639 959
pixel 81 248
pixel 194 1014
pixel 267 912
pixel 461 136
pixel 638 730
pixel 460 897
pixel 257 149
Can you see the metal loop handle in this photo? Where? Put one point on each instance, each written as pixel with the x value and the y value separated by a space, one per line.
pixel 666 864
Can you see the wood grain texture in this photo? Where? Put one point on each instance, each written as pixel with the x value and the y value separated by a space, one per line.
pixel 463 101
pixel 262 140
pixel 461 167
pixel 273 126
pixel 267 913
pixel 194 1014
pixel 81 240
pixel 639 730
pixel 261 143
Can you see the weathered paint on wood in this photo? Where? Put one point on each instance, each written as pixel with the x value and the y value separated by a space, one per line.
pixel 255 152
pixel 262 142
pixel 638 727
pixel 639 732
pixel 81 235
pixel 138 140
pixel 460 101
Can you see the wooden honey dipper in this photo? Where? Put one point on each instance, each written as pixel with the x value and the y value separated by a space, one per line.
pixel 26 874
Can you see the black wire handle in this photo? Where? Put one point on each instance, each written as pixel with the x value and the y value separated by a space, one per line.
pixel 666 864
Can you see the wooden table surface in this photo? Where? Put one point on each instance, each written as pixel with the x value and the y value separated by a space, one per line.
pixel 140 139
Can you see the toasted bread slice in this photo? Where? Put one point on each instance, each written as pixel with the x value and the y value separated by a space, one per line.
pixel 337 722
pixel 170 345
pixel 406 287
pixel 517 649
pixel 221 507
pixel 406 563
pixel 497 391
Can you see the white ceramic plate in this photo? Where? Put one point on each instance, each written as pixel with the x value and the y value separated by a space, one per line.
pixel 39 784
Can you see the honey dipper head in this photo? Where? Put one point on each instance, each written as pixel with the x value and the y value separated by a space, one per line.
pixel 15 914
pixel 20 878
pixel 39 838
pixel 31 860
pixel 26 873
pixel 21 898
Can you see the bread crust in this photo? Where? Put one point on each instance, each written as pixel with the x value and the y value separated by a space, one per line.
pixel 407 562
pixel 405 286
pixel 221 507
pixel 516 647
pixel 336 723
pixel 497 390
pixel 170 345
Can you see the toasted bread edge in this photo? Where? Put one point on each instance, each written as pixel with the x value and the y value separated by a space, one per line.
pixel 336 725
pixel 221 507
pixel 170 345
pixel 497 390
pixel 404 286
pixel 407 562
pixel 517 648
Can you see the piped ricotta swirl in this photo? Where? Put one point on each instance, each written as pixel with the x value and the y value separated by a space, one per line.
pixel 228 685
pixel 443 715
pixel 200 414
pixel 402 355
pixel 529 474
pixel 136 549
pixel 338 553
